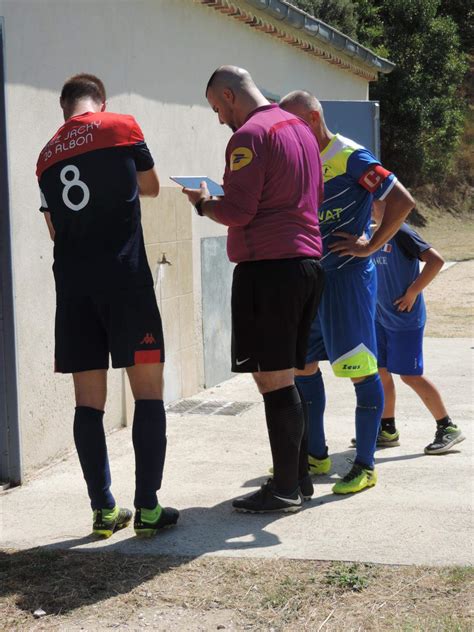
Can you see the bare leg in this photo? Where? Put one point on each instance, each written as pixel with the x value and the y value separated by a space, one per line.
pixel 389 393
pixel 268 381
pixel 310 369
pixel 146 380
pixel 91 388
pixel 428 393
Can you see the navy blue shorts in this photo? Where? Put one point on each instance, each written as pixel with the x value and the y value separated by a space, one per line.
pixel 124 324
pixel 400 352
pixel 343 331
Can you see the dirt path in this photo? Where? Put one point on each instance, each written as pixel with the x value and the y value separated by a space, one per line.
pixel 450 302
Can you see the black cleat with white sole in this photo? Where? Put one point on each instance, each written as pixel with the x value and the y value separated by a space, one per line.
pixel 267 499
pixel 306 487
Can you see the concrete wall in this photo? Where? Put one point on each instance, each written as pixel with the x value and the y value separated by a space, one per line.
pixel 155 57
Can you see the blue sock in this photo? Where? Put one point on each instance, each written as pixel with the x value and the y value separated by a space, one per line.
pixel 89 437
pixel 149 443
pixel 312 389
pixel 369 395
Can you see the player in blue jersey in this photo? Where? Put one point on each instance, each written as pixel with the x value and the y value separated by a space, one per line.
pixel 344 329
pixel 400 321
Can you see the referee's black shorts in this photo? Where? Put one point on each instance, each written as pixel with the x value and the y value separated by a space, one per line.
pixel 124 324
pixel 273 305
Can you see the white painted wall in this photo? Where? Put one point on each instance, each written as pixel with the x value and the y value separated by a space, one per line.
pixel 155 57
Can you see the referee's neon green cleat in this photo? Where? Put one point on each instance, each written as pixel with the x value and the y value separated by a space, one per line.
pixel 108 521
pixel 318 467
pixel 356 480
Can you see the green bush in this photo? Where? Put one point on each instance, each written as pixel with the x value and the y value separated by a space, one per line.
pixel 422 106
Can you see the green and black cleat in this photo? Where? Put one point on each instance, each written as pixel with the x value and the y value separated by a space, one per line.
pixel 108 521
pixel 166 517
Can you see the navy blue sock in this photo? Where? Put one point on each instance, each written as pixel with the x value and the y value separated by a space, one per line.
pixel 89 437
pixel 303 456
pixel 312 389
pixel 369 395
pixel 149 443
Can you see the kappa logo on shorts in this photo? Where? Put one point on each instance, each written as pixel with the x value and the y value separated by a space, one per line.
pixel 149 339
pixel 240 157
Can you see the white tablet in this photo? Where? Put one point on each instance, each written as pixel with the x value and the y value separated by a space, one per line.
pixel 194 182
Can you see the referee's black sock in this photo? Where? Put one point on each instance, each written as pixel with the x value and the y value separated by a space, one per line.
pixel 303 457
pixel 285 421
pixel 149 443
pixel 89 437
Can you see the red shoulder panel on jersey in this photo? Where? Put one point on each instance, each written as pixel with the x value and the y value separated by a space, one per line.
pixel 373 177
pixel 88 132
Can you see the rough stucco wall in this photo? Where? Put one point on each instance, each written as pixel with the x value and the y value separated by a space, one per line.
pixel 155 57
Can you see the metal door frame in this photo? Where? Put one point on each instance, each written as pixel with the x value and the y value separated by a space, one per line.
pixel 10 456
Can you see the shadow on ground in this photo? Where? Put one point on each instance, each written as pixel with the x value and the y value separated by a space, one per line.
pixel 59 578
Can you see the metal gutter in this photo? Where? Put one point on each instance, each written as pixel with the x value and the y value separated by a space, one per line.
pixel 297 28
pixel 298 19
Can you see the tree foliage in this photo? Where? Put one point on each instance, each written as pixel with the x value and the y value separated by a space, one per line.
pixel 422 109
pixel 341 14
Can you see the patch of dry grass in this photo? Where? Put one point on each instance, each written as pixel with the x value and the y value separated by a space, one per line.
pixel 451 235
pixel 450 302
pixel 113 591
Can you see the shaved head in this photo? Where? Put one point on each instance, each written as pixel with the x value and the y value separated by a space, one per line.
pixel 232 94
pixel 306 106
pixel 232 77
pixel 302 100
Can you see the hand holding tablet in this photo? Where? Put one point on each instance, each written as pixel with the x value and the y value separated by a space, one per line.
pixel 194 182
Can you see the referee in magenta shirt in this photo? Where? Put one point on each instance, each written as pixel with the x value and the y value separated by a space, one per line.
pixel 272 190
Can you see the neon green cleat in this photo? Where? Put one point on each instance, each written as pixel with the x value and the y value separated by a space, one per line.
pixel 148 522
pixel 356 480
pixel 316 467
pixel 319 467
pixel 385 439
pixel 108 521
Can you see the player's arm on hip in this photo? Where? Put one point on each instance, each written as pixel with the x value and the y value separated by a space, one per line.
pixel 398 204
pixel 433 264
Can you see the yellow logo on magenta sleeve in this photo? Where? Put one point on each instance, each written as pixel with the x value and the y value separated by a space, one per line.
pixel 240 157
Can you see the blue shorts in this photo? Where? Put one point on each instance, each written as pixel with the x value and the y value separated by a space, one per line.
pixel 343 331
pixel 400 352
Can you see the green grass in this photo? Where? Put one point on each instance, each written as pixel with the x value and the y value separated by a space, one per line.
pixel 352 577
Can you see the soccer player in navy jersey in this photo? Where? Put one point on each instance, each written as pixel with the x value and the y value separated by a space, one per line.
pixel 343 331
pixel 91 174
pixel 400 322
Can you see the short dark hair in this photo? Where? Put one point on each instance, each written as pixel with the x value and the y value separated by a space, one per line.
pixel 83 85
